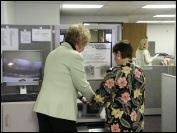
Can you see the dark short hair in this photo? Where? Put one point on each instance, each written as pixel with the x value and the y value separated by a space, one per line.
pixel 125 48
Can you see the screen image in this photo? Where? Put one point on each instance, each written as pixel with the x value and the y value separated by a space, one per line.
pixel 21 66
pixel 61 38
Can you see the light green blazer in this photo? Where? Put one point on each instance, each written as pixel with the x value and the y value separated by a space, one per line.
pixel 64 77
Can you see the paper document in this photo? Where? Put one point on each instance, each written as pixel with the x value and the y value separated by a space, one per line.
pixel 25 37
pixel 41 34
pixel 97 60
pixel 9 39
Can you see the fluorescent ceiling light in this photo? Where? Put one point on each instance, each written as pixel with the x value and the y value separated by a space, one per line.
pixel 155 21
pixel 81 6
pixel 159 6
pixel 165 15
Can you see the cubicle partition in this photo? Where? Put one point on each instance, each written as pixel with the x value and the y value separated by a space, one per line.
pixel 168 98
pixel 24 37
pixel 153 87
pixel 172 70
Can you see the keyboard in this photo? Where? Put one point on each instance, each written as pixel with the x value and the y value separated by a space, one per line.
pixel 18 97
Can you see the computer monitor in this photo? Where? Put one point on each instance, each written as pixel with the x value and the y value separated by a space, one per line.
pixel 21 68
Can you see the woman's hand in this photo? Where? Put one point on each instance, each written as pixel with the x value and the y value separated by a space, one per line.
pixel 84 100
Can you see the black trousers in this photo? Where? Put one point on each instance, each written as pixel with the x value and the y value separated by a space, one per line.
pixel 51 124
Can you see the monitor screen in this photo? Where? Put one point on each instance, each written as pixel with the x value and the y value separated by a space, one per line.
pixel 62 38
pixel 108 38
pixel 22 67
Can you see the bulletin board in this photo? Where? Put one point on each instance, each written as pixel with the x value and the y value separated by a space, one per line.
pixel 21 37
pixel 29 40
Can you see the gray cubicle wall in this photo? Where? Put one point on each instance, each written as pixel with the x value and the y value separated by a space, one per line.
pixel 153 88
pixel 172 70
pixel 44 46
pixel 168 103
pixel 95 84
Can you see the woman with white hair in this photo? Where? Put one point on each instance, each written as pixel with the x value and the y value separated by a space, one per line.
pixel 143 57
pixel 64 81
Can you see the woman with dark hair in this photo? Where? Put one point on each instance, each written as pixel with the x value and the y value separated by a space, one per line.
pixel 122 93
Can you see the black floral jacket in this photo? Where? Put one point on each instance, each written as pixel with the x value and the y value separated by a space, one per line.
pixel 122 93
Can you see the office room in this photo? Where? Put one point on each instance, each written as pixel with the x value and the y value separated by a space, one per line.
pixel 88 66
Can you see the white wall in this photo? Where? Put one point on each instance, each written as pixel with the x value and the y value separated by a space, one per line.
pixel 3 12
pixel 164 36
pixel 8 12
pixel 11 12
pixel 37 13
pixel 80 19
pixel 175 43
